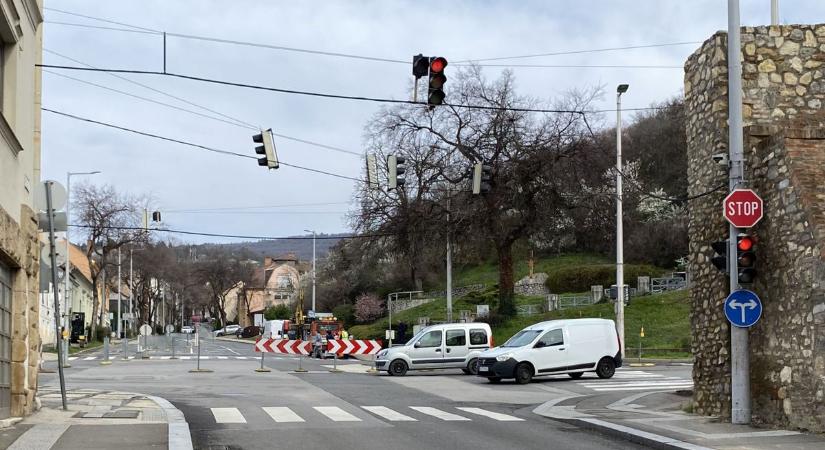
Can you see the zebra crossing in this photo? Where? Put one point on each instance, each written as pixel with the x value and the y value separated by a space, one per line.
pixel 326 414
pixel 636 380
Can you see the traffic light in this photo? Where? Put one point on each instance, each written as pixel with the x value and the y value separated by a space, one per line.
pixel 746 258
pixel 421 66
pixel 720 259
pixel 437 79
pixel 395 164
pixel 156 216
pixel 481 178
pixel 270 158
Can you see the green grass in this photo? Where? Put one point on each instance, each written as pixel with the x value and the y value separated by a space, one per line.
pixel 487 273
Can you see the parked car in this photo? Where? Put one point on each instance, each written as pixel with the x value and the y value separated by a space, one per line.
pixel 227 330
pixel 248 332
pixel 555 347
pixel 452 345
pixel 187 329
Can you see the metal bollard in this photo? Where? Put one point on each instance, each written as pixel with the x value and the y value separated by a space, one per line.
pixel 125 350
pixel 262 368
pixel 105 361
pixel 300 368
pixel 173 348
pixel 335 364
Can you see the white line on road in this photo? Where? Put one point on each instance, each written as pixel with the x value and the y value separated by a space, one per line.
pixel 72 358
pixel 185 357
pixel 282 414
pixel 492 415
pixel 389 414
pixel 631 384
pixel 336 414
pixel 89 358
pixel 233 351
pixel 227 415
pixel 240 357
pixel 443 415
pixel 165 357
pixel 223 357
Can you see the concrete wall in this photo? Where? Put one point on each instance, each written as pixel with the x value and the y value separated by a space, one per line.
pixel 783 90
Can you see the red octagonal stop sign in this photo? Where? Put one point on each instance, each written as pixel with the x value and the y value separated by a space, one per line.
pixel 742 208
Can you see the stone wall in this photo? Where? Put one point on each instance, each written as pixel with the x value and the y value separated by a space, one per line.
pixel 783 87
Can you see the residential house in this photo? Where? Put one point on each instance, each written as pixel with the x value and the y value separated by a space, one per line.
pixel 276 283
pixel 22 43
pixel 81 291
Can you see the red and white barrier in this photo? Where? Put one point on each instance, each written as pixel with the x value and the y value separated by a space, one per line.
pixel 354 346
pixel 286 346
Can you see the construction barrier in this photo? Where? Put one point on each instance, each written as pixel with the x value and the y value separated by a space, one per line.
pixel 354 346
pixel 296 347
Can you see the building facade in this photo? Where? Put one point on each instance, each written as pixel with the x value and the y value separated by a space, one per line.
pixel 21 43
pixel 276 283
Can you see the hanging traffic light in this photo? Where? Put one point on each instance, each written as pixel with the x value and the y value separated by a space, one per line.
pixel 270 158
pixel 746 258
pixel 437 79
pixel 482 174
pixel 395 165
pixel 720 259
pixel 421 65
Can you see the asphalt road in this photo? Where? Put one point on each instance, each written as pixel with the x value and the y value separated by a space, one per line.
pixel 235 407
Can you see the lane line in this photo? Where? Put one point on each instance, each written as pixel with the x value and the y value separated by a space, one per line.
pixel 336 414
pixel 223 357
pixel 443 415
pixel 493 415
pixel 282 414
pixel 389 414
pixel 227 415
pixel 72 358
pixel 240 357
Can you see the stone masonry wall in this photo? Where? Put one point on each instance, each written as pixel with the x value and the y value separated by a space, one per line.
pixel 783 86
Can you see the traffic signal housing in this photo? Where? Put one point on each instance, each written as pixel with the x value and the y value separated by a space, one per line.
pixel 482 174
pixel 270 158
pixel 421 66
pixel 436 94
pixel 746 258
pixel 720 259
pixel 395 165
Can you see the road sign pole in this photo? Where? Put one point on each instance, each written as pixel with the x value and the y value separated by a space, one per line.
pixel 740 360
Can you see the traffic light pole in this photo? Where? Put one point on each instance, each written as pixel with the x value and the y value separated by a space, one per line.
pixel 740 357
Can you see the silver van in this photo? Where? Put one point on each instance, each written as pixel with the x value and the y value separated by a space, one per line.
pixel 452 345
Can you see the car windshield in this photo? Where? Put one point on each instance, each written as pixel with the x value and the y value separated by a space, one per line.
pixel 522 338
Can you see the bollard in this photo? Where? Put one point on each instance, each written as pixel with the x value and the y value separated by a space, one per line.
pixel 145 354
pixel 125 350
pixel 198 369
pixel 263 369
pixel 65 343
pixel 335 364
pixel 105 361
pixel 300 368
pixel 173 348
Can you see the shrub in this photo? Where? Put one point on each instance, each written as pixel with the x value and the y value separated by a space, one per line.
pixel 278 312
pixel 493 319
pixel 102 332
pixel 581 278
pixel 368 307
pixel 345 313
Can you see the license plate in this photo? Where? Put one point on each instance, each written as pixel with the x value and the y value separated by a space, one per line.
pixel 483 369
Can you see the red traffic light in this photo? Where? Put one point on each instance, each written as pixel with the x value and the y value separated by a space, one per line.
pixel 745 243
pixel 438 64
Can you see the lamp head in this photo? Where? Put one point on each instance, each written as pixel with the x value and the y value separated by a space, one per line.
pixel 622 88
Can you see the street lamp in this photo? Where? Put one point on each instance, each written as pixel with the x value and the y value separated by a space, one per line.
pixel 621 89
pixel 313 267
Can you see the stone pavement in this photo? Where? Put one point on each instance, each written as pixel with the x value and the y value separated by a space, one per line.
pixel 99 420
pixel 656 419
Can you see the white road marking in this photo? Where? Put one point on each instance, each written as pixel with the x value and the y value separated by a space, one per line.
pixel 336 414
pixel 389 414
pixel 223 357
pixel 492 415
pixel 185 357
pixel 72 358
pixel 632 384
pixel 233 351
pixel 240 357
pixel 89 358
pixel 228 415
pixel 443 415
pixel 648 388
pixel 165 357
pixel 282 414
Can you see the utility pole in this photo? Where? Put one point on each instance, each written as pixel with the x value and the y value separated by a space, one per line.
pixel 131 292
pixel 449 265
pixel 119 293
pixel 740 359
pixel 313 267
pixel 774 12
pixel 621 89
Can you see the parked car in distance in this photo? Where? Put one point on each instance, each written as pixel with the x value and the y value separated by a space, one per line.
pixel 187 329
pixel 248 332
pixel 227 330
pixel 555 347
pixel 452 345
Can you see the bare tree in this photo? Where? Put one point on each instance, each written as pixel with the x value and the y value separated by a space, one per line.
pixel 220 273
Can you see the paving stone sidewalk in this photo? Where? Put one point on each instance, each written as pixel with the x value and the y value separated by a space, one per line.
pixel 98 419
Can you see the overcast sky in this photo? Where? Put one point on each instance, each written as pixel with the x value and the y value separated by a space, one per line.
pixel 179 177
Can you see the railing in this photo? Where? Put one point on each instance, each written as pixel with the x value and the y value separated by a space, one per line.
pixel 667 284
pixel 529 310
pixel 403 304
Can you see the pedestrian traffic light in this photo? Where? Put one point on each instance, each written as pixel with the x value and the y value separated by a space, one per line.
pixel 156 216
pixel 437 79
pixel 720 259
pixel 395 164
pixel 421 66
pixel 746 258
pixel 481 178
pixel 270 158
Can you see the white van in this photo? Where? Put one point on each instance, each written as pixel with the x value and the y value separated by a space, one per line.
pixel 452 345
pixel 555 347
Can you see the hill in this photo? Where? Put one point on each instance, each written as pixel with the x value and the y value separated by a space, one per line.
pixel 301 247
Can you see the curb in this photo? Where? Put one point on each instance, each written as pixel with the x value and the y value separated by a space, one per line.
pixel 179 437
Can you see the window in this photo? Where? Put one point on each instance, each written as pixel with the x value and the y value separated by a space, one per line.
pixel 552 337
pixel 431 339
pixel 456 338
pixel 522 338
pixel 478 337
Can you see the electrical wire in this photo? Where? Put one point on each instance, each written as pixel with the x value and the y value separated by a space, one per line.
pixel 263 238
pixel 232 208
pixel 576 52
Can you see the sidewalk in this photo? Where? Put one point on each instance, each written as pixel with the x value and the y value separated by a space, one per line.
pixel 119 420
pixel 655 419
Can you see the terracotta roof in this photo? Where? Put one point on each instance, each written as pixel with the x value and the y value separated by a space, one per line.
pixel 79 262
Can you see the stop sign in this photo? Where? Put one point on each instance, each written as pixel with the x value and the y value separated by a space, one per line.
pixel 742 208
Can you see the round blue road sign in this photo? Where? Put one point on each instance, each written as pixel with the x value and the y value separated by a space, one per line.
pixel 743 308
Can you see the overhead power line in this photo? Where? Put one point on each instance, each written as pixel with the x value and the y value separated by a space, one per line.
pixel 232 208
pixel 576 52
pixel 238 236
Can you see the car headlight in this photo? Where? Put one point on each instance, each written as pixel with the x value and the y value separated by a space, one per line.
pixel 381 354
pixel 504 357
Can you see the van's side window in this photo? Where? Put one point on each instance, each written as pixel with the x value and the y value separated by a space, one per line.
pixel 553 337
pixel 478 336
pixel 456 338
pixel 431 339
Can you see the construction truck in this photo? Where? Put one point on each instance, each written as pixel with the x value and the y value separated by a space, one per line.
pixel 321 323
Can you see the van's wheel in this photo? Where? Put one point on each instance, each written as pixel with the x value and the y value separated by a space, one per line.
pixel 398 368
pixel 494 380
pixel 472 367
pixel 606 367
pixel 575 375
pixel 524 373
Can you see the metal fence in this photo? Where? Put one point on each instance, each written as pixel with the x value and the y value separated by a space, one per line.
pixel 529 310
pixel 667 284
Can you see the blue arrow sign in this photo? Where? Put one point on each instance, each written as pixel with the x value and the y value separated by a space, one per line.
pixel 743 308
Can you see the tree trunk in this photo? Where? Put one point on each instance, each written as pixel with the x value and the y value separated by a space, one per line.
pixel 95 299
pixel 506 283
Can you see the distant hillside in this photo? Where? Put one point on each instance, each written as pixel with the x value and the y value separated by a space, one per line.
pixel 301 247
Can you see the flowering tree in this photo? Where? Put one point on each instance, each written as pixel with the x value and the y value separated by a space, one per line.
pixel 368 307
